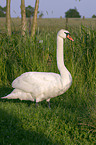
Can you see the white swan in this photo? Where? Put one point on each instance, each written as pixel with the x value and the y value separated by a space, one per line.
pixel 41 86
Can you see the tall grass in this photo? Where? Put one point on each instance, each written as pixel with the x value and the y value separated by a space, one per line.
pixel 72 118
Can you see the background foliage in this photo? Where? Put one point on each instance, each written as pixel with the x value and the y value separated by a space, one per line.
pixel 29 11
pixel 2 11
pixel 94 16
pixel 72 13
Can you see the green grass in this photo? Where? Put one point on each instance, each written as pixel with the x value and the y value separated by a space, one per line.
pixel 72 117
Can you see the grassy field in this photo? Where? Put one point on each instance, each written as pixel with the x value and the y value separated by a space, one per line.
pixel 72 117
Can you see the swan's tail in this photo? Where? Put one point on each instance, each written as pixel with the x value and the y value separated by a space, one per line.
pixel 18 94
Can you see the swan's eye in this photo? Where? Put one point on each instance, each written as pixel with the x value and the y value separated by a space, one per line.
pixel 67 34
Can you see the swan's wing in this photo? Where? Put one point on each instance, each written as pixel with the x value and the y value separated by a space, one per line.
pixel 37 82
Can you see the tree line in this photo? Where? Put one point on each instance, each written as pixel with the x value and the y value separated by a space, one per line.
pixel 73 13
pixel 29 10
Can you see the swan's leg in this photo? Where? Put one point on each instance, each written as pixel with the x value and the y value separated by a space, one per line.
pixel 36 104
pixel 48 100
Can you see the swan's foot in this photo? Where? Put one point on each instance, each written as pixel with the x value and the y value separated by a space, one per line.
pixel 48 103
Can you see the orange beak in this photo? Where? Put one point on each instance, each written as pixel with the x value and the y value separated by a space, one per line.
pixel 69 37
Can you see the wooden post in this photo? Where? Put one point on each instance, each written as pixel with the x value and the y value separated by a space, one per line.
pixel 8 18
pixel 23 17
pixel 34 25
pixel 83 17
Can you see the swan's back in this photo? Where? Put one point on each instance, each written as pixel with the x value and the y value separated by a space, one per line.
pixel 39 84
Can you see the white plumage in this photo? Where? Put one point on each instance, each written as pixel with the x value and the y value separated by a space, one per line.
pixel 41 86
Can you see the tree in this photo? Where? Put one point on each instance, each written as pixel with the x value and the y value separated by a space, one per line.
pixel 2 11
pixel 35 18
pixel 72 13
pixel 94 16
pixel 8 18
pixel 23 17
pixel 29 11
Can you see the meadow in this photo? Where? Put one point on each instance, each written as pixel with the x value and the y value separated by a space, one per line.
pixel 72 117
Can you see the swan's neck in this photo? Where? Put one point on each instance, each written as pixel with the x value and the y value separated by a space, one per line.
pixel 60 59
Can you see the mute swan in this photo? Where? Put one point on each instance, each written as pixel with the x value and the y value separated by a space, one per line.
pixel 41 86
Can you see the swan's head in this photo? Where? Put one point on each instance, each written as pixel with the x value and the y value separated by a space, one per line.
pixel 64 34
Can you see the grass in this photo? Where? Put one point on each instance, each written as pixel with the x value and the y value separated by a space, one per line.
pixel 72 118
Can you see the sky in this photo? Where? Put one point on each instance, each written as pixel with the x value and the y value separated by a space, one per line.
pixel 55 8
